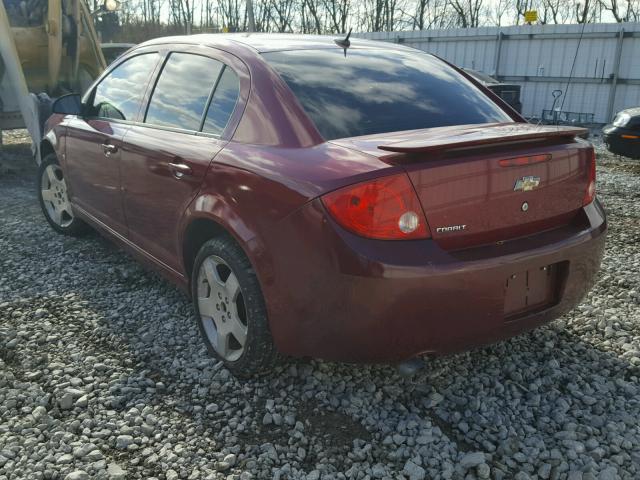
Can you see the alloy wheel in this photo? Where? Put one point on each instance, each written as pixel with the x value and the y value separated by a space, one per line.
pixel 222 308
pixel 53 190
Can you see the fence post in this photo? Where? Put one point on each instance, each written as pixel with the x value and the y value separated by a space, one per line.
pixel 616 71
pixel 496 65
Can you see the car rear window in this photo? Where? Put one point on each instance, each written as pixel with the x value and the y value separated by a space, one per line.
pixel 367 91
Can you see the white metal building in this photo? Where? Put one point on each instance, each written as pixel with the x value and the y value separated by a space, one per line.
pixel 606 76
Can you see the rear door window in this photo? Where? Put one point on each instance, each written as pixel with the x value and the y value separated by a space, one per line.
pixel 223 103
pixel 181 93
pixel 119 95
pixel 367 91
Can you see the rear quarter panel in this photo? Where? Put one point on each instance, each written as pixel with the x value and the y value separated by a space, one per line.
pixel 250 189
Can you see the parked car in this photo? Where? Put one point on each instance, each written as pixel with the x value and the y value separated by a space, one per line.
pixel 622 136
pixel 509 92
pixel 111 51
pixel 362 202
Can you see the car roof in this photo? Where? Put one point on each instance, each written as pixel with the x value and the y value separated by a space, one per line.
pixel 114 46
pixel 633 111
pixel 270 42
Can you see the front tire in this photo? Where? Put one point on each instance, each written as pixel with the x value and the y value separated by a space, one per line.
pixel 230 309
pixel 54 198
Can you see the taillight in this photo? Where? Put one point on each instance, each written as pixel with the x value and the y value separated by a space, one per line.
pixel 590 192
pixel 386 208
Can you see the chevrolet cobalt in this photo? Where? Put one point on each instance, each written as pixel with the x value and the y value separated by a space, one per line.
pixel 342 199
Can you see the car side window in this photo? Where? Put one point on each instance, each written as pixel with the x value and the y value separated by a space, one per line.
pixel 223 102
pixel 181 94
pixel 119 95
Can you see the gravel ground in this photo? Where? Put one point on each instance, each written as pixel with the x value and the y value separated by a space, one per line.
pixel 103 375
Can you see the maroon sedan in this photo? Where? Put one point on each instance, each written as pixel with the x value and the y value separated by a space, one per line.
pixel 350 201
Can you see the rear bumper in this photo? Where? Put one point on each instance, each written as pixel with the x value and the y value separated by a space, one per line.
pixel 337 296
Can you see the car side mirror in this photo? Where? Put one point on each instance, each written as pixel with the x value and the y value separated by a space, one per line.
pixel 69 104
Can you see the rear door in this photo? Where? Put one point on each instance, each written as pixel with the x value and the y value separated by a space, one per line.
pixel 94 141
pixel 166 157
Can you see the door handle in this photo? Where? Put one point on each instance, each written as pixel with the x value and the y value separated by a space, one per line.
pixel 108 149
pixel 180 170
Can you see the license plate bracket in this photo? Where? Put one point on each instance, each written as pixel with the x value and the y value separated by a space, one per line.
pixel 530 290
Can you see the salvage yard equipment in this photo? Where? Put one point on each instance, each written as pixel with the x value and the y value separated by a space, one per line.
pixel 49 48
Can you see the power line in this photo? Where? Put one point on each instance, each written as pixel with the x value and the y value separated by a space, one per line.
pixel 566 89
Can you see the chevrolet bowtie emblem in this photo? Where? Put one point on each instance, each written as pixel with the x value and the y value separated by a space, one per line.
pixel 526 184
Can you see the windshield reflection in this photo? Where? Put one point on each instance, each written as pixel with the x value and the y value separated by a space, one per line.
pixel 120 93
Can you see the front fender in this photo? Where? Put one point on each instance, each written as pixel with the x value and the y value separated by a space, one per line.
pixel 53 139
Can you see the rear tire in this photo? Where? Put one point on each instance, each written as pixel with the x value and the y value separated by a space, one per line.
pixel 230 309
pixel 54 198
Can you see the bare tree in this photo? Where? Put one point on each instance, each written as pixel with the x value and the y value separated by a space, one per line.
pixel 633 10
pixel 440 15
pixel 391 9
pixel 623 10
pixel 582 11
pixel 374 15
pixel 262 14
pixel 555 11
pixel 142 19
pixel 311 17
pixel 186 12
pixel 498 10
pixel 418 18
pixel 338 12
pixel 522 6
pixel 231 14
pixel 467 12
pixel 282 14
pixel 615 8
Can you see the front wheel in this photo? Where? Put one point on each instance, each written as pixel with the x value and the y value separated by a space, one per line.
pixel 230 308
pixel 54 198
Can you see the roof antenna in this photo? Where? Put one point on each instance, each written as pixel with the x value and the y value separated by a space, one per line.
pixel 345 42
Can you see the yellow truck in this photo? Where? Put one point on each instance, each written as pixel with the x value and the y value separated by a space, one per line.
pixel 47 48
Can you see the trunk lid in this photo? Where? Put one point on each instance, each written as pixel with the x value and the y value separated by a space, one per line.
pixel 489 183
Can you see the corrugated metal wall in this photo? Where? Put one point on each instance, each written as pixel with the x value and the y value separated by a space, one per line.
pixel 606 76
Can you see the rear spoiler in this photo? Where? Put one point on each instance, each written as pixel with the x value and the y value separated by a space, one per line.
pixel 481 136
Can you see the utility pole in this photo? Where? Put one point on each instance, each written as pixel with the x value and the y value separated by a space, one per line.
pixel 250 18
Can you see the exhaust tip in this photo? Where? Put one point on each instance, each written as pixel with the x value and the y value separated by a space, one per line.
pixel 410 367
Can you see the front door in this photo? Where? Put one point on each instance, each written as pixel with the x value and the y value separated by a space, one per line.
pixel 93 169
pixel 94 140
pixel 165 159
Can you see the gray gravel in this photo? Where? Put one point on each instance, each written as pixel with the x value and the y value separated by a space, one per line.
pixel 103 376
